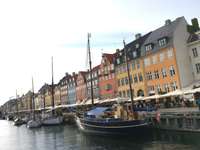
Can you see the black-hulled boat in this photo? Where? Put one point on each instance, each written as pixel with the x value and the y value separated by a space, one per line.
pixel 114 120
pixel 94 121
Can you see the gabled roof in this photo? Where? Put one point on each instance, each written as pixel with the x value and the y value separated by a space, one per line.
pixel 130 47
pixel 164 31
pixel 110 57
pixel 193 38
pixel 96 68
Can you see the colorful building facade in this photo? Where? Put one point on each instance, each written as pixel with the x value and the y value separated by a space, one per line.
pixel 166 59
pixel 81 88
pixel 107 80
pixel 71 88
pixel 136 68
pixel 194 53
pixel 95 82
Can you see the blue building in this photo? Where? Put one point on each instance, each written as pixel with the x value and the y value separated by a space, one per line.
pixel 71 88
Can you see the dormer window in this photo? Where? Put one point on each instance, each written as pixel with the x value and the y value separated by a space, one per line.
pixel 148 47
pixel 137 45
pixel 118 61
pixel 134 54
pixel 162 42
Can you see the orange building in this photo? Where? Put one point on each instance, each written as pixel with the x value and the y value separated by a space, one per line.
pixel 166 59
pixel 81 88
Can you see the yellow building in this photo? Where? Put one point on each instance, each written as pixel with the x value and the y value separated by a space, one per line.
pixel 135 66
pixel 57 95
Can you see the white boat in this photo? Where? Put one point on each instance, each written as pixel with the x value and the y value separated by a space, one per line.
pixel 34 124
pixel 18 122
pixel 52 118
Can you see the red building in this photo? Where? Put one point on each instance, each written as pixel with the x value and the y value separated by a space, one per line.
pixel 107 82
pixel 81 88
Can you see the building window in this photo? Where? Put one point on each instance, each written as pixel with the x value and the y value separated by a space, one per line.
pixel 131 79
pixel 166 88
pixel 150 89
pixel 162 42
pixel 120 94
pixel 128 93
pixel 146 61
pixel 133 65
pixel 198 68
pixel 149 76
pixel 138 64
pixel 170 53
pixel 164 72
pixel 158 89
pixel 154 59
pixel 156 74
pixel 194 51
pixel 140 77
pixel 108 87
pixel 161 57
pixel 137 45
pixel 173 86
pixel 134 54
pixel 148 47
pixel 126 80
pixel 124 94
pixel 172 70
pixel 135 78
pixel 122 81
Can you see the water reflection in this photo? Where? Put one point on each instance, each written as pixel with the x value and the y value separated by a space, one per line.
pixel 69 138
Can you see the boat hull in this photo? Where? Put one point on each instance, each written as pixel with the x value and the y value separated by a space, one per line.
pixel 18 122
pixel 33 124
pixel 113 127
pixel 52 121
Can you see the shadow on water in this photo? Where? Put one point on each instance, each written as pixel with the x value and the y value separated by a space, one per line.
pixel 159 140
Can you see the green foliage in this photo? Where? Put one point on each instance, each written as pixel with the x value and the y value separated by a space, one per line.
pixel 190 29
pixel 194 27
pixel 195 24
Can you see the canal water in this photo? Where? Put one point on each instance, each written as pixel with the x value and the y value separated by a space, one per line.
pixel 68 137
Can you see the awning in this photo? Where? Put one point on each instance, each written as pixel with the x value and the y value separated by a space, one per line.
pixel 152 97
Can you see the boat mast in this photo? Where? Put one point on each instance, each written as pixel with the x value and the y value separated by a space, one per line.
pixel 16 103
pixel 33 100
pixel 128 71
pixel 90 71
pixel 52 88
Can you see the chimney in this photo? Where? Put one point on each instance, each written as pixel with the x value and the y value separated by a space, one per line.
pixel 137 36
pixel 73 73
pixel 167 22
pixel 66 74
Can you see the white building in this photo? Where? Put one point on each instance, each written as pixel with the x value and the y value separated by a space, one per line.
pixel 194 52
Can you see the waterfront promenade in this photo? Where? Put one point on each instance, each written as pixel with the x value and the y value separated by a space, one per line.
pixel 179 110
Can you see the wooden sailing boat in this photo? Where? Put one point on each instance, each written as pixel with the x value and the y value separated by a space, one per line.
pixel 102 121
pixel 52 118
pixel 33 123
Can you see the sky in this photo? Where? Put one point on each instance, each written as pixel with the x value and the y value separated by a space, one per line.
pixel 31 31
